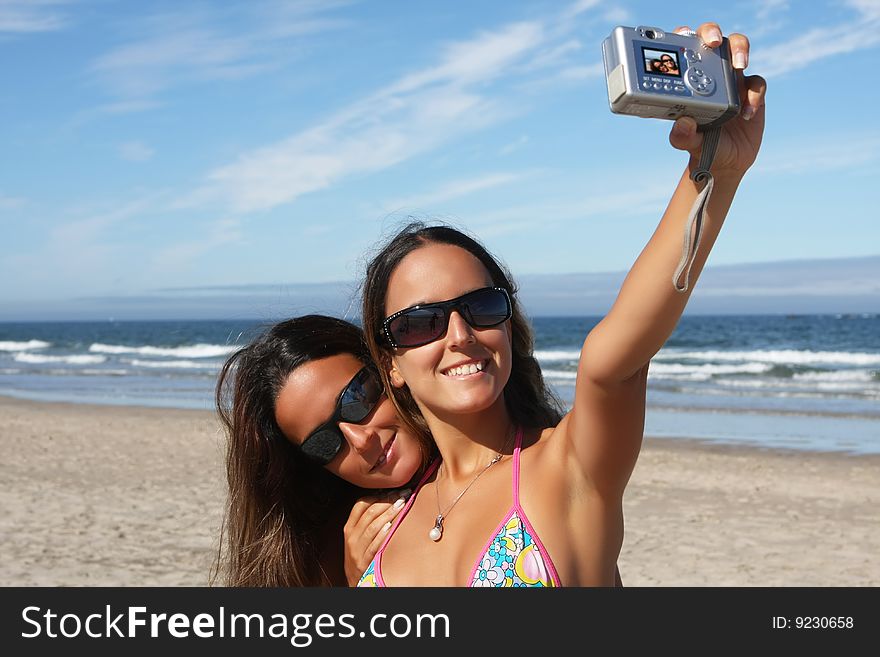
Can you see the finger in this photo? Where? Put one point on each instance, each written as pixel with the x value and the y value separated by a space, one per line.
pixel 382 525
pixel 682 29
pixel 710 33
pixel 739 50
pixel 376 509
pixel 684 135
pixel 355 526
pixel 363 515
pixel 360 507
pixel 359 535
pixel 363 502
pixel 756 91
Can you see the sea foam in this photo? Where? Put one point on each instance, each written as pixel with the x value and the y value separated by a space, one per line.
pixel 23 346
pixel 187 351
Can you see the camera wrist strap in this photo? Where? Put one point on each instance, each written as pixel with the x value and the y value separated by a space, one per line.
pixel 693 227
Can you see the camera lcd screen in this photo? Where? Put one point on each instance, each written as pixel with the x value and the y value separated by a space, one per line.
pixel 661 62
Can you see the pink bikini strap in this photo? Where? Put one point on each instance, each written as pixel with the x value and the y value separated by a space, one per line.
pixel 409 502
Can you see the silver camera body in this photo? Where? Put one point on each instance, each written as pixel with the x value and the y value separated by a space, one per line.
pixel 664 75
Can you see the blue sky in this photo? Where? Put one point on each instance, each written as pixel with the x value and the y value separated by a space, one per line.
pixel 149 146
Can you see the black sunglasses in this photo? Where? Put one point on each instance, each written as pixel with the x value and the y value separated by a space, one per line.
pixel 356 401
pixel 419 325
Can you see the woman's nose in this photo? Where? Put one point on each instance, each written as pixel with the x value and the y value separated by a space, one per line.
pixel 459 331
pixel 359 436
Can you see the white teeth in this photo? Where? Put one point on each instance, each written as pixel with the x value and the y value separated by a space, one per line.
pixel 462 370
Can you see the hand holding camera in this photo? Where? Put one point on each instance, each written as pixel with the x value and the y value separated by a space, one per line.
pixel 693 78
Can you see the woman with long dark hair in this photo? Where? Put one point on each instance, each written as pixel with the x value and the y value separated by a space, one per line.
pixel 310 433
pixel 518 496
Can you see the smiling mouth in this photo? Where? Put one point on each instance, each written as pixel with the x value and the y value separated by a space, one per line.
pixel 466 370
pixel 384 458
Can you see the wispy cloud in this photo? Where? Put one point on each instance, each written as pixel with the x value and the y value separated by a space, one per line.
pixel 593 203
pixel 190 47
pixel 478 60
pixel 456 189
pixel 856 35
pixel 10 202
pixel 829 153
pixel 135 151
pixel 79 250
pixel 769 10
pixel 82 231
pixel 317 158
pixel 28 16
pixel 183 256
pixel 412 115
pixel 515 145
pixel 577 8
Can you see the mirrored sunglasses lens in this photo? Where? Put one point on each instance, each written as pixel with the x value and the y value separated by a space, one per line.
pixel 360 396
pixel 488 307
pixel 418 326
pixel 323 446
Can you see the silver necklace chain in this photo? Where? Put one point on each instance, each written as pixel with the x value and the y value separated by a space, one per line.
pixel 436 532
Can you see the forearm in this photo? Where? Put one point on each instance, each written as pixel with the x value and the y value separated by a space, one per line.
pixel 648 306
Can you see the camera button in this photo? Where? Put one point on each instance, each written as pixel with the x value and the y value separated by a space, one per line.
pixel 692 56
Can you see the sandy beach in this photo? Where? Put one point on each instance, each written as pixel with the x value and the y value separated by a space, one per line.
pixel 126 496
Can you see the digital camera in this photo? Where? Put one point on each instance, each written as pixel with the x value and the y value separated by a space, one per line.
pixel 664 75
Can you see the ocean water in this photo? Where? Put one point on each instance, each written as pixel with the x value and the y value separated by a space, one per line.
pixel 798 382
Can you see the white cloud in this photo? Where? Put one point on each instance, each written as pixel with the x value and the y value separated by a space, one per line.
pixel 857 35
pixel 582 72
pixel 135 151
pixel 592 203
pixel 78 251
pixel 478 60
pixel 577 8
pixel 552 57
pixel 412 115
pixel 617 16
pixel 830 153
pixel 869 9
pixel 84 231
pixel 183 256
pixel 28 16
pixel 456 189
pixel 174 49
pixel 11 202
pixel 768 10
pixel 515 145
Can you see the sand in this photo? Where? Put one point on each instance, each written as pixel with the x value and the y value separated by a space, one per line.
pixel 123 496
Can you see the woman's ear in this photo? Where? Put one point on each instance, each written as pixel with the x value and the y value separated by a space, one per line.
pixel 394 375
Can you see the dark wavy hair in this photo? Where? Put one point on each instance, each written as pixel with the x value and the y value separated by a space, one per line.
pixel 530 403
pixel 282 511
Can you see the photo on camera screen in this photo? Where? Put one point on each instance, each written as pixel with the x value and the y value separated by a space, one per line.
pixel 661 62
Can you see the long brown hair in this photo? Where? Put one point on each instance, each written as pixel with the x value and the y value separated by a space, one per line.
pixel 530 403
pixel 281 508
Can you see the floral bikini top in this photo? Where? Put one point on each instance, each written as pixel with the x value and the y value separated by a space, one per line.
pixel 513 556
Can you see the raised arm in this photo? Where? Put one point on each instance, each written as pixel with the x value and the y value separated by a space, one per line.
pixel 607 419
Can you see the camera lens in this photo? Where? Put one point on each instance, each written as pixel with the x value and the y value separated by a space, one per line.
pixel 650 34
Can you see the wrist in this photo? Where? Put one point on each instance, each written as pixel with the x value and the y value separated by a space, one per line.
pixel 721 175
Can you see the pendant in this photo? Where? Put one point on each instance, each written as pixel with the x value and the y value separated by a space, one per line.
pixel 437 532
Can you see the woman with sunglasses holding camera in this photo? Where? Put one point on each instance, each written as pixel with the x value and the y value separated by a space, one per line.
pixel 518 496
pixel 309 431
